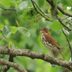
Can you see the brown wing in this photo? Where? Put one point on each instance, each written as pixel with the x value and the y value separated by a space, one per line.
pixel 51 40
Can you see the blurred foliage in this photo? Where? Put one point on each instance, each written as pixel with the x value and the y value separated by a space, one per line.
pixel 20 27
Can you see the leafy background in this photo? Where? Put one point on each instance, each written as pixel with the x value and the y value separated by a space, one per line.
pixel 20 28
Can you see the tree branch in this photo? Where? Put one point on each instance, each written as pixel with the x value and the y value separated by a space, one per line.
pixel 63 12
pixel 59 8
pixel 14 65
pixel 52 4
pixel 33 55
pixel 7 67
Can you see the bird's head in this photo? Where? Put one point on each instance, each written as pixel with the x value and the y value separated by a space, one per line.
pixel 44 30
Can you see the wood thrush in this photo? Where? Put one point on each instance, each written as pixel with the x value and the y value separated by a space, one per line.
pixel 50 42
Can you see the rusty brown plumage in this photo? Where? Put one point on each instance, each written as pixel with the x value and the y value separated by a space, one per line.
pixel 48 40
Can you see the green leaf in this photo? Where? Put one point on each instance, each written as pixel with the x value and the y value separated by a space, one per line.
pixel 41 3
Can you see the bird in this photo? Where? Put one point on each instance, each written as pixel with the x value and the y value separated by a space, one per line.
pixel 49 41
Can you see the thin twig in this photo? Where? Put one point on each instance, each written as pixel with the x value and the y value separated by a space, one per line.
pixel 64 12
pixel 39 10
pixel 13 9
pixel 70 48
pixel 63 24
